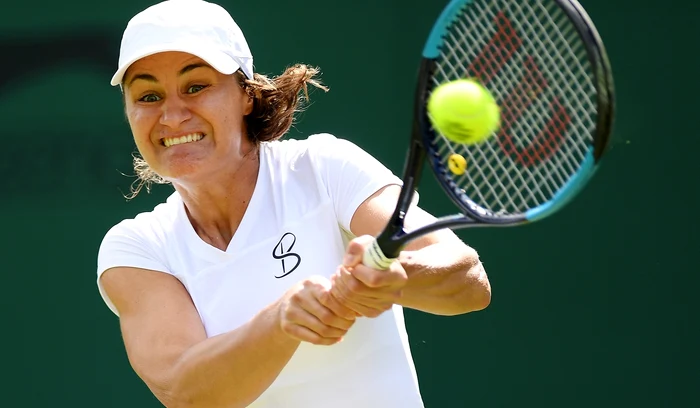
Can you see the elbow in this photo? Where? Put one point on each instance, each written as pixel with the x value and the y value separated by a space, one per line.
pixel 178 397
pixel 161 385
pixel 174 398
pixel 173 394
pixel 183 394
pixel 481 298
pixel 476 293
pixel 170 395
pixel 166 396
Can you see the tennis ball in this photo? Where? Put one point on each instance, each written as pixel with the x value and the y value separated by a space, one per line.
pixel 463 111
pixel 457 164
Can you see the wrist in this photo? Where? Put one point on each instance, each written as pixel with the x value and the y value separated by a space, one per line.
pixel 276 312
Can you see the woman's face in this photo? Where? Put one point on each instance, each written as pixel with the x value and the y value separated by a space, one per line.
pixel 186 117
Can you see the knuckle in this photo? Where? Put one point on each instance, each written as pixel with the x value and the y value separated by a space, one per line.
pixel 286 326
pixel 310 287
pixel 375 280
pixel 288 316
pixel 345 325
pixel 314 282
pixel 397 269
pixel 326 332
pixel 339 299
pixel 399 276
pixel 294 314
pixel 325 342
pixel 338 296
pixel 294 331
pixel 317 340
pixel 325 316
pixel 364 240
pixel 347 314
pixel 322 299
pixel 353 245
pixel 358 242
pixel 355 286
pixel 297 297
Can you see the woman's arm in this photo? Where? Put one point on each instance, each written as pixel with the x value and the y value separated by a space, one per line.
pixel 445 276
pixel 168 348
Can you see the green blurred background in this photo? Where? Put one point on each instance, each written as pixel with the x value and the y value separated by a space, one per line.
pixel 590 308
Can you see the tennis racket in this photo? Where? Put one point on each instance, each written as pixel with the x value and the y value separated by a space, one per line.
pixel 545 63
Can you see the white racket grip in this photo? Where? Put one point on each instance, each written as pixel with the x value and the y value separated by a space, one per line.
pixel 375 258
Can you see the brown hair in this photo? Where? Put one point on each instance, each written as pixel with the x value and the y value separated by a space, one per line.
pixel 275 101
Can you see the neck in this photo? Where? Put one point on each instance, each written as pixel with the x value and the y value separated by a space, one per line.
pixel 216 207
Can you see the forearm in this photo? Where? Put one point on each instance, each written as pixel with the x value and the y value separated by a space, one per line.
pixel 445 278
pixel 234 368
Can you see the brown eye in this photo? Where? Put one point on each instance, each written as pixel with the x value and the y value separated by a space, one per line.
pixel 150 98
pixel 195 88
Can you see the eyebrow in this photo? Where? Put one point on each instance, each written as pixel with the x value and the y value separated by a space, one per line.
pixel 183 71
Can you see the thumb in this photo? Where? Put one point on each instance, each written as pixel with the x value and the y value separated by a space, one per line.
pixel 356 250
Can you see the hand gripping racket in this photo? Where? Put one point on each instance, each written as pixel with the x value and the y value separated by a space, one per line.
pixel 546 65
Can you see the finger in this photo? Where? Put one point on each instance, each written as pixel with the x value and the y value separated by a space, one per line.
pixel 366 311
pixel 302 317
pixel 343 312
pixel 366 307
pixel 362 293
pixel 320 287
pixel 353 284
pixel 393 278
pixel 326 315
pixel 356 249
pixel 302 333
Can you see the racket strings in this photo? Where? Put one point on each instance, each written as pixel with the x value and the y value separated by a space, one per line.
pixel 529 55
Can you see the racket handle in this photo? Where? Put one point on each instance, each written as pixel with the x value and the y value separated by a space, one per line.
pixel 374 257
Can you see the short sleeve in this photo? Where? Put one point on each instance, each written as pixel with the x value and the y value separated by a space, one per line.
pixel 349 174
pixel 126 246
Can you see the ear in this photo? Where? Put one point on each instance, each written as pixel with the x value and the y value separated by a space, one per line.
pixel 249 104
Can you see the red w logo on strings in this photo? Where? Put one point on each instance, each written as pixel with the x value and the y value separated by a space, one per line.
pixel 493 57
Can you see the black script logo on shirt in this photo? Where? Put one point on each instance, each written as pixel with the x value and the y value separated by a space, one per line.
pixel 283 252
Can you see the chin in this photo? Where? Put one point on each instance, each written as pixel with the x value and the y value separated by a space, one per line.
pixel 183 169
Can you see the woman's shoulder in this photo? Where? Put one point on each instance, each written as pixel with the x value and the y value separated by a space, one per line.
pixel 149 224
pixel 318 145
pixel 301 144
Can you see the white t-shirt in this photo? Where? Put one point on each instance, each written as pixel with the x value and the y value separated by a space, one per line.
pixel 296 225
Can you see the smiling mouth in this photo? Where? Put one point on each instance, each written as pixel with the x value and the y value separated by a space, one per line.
pixel 172 141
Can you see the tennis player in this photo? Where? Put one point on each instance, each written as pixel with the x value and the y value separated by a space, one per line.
pixel 246 288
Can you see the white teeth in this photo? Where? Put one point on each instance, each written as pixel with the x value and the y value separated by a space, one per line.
pixel 194 137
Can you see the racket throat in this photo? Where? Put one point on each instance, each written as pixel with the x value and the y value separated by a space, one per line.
pixel 391 240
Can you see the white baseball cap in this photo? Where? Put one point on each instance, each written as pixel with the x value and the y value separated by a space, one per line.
pixel 196 27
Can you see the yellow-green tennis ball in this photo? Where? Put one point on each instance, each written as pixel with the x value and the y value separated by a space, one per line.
pixel 464 111
pixel 457 164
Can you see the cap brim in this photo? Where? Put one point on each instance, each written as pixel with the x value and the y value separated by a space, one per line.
pixel 219 60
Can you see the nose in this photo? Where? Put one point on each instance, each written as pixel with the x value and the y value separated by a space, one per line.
pixel 174 112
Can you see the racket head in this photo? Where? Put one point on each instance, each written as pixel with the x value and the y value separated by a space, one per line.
pixel 546 65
